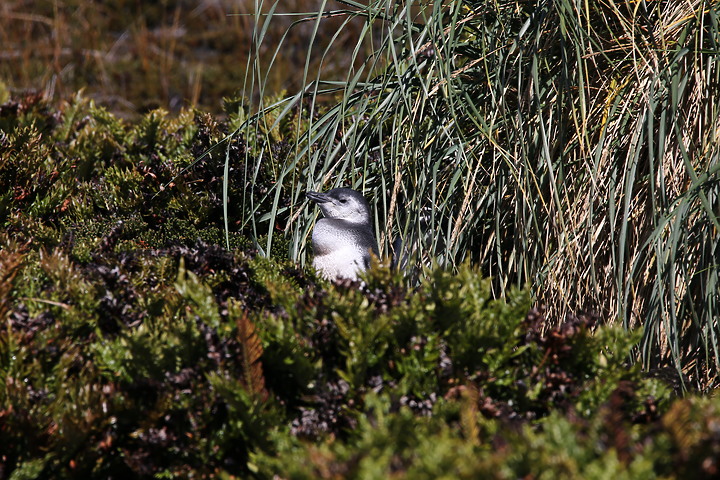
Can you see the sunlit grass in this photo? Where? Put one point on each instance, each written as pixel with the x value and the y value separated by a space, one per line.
pixel 571 147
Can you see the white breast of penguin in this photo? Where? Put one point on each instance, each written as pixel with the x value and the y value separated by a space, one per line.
pixel 338 247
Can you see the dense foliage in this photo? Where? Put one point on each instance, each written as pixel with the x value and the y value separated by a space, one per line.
pixel 134 346
pixel 569 146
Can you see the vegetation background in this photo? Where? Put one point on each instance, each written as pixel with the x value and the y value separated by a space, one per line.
pixel 132 57
pixel 158 323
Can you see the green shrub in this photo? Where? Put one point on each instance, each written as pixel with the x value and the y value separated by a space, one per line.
pixel 134 346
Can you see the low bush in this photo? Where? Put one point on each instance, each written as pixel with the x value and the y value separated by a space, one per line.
pixel 134 346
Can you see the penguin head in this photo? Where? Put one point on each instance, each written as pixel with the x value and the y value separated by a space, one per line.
pixel 342 203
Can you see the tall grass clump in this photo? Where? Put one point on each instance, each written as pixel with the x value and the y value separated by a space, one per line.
pixel 571 146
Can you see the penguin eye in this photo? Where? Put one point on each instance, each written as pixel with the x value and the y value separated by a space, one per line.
pixel 343 200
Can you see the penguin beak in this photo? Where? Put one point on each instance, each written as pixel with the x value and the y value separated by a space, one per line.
pixel 317 197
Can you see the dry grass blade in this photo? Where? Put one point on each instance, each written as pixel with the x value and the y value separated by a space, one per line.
pixel 251 354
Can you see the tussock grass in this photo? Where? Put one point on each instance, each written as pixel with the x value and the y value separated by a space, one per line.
pixel 569 146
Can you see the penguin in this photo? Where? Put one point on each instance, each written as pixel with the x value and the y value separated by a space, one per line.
pixel 343 240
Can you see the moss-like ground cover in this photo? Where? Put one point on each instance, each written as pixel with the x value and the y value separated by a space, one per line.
pixel 133 345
